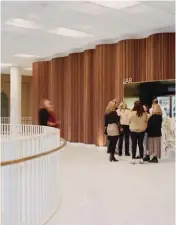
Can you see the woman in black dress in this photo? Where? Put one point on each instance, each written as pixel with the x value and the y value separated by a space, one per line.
pixel 154 134
pixel 112 121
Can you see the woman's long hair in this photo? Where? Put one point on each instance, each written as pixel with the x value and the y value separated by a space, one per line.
pixel 139 108
pixel 147 108
pixel 156 109
pixel 155 101
pixel 110 107
pixel 122 106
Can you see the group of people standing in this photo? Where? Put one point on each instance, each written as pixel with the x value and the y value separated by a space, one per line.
pixel 142 126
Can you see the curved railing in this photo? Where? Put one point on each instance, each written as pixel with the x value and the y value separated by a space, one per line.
pixel 24 120
pixel 30 173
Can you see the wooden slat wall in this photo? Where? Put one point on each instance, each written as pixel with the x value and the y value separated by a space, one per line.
pixel 55 85
pixel 40 80
pixel 89 130
pixel 80 97
pixel 73 60
pixel 81 84
pixel 103 86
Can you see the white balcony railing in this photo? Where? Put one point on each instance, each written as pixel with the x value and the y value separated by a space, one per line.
pixel 30 174
pixel 24 120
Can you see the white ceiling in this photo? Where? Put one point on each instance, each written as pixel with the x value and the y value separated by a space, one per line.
pixel 106 25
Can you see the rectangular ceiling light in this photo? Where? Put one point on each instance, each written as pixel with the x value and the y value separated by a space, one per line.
pixel 28 69
pixel 17 22
pixel 116 4
pixel 27 56
pixel 84 7
pixel 5 65
pixel 70 32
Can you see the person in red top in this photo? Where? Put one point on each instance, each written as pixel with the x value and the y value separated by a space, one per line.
pixel 52 122
pixel 52 118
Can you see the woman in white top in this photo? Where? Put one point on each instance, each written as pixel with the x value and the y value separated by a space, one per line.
pixel 124 113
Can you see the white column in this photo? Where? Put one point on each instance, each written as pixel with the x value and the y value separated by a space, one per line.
pixel 15 95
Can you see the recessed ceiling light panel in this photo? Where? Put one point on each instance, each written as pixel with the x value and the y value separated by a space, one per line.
pixel 70 32
pixel 18 22
pixel 28 69
pixel 116 4
pixel 2 65
pixel 83 7
pixel 27 56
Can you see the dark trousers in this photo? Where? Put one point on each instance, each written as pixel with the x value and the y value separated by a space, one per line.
pixel 108 150
pixel 137 138
pixel 126 133
pixel 112 144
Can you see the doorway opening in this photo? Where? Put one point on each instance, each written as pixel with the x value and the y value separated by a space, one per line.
pixel 163 90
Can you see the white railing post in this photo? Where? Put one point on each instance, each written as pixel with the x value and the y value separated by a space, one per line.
pixel 29 188
pixel 24 120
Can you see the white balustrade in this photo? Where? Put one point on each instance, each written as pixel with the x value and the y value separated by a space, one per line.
pixel 30 188
pixel 24 120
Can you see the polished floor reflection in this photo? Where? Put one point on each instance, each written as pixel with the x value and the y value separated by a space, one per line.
pixel 97 192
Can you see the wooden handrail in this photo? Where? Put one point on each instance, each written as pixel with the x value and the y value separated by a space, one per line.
pixel 16 161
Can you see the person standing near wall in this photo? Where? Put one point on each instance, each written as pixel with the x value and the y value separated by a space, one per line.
pixel 155 102
pixel 154 134
pixel 138 124
pixel 112 121
pixel 44 115
pixel 124 113
pixel 146 109
pixel 116 101
pixel 52 117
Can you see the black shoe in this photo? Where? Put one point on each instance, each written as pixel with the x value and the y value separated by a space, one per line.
pixel 127 154
pixel 111 157
pixel 154 160
pixel 146 158
pixel 120 154
pixel 114 159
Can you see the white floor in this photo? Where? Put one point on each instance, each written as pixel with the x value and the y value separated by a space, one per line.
pixel 97 192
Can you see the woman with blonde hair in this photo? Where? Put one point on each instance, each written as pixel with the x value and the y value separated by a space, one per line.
pixel 112 128
pixel 154 134
pixel 124 113
pixel 116 102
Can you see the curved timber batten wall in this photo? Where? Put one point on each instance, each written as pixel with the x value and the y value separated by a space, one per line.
pixel 80 85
